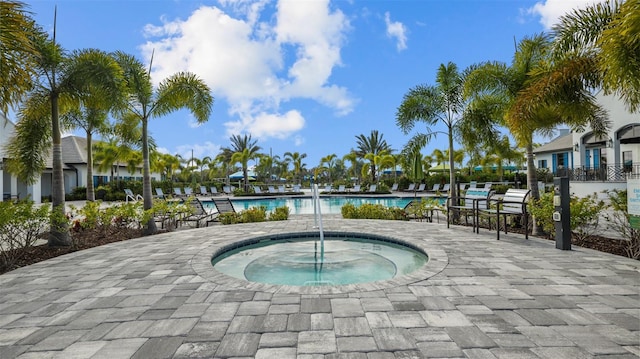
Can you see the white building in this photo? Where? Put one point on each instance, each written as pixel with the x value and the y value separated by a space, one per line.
pixel 595 163
pixel 74 158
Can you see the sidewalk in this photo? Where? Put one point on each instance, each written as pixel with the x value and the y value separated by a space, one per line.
pixel 158 297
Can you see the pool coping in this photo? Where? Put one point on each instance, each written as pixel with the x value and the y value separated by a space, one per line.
pixel 201 264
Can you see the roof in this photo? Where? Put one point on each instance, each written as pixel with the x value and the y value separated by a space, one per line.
pixel 74 151
pixel 562 143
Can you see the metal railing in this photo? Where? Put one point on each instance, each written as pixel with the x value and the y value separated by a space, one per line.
pixel 604 173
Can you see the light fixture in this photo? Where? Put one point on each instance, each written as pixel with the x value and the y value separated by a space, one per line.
pixel 610 143
pixel 576 147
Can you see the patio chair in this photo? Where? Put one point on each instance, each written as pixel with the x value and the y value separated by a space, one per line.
pixel 296 188
pixel 257 190
pixel 281 189
pixel 227 189
pixel 373 188
pixel 356 188
pixel 159 193
pixel 445 188
pixel 188 191
pixel 421 187
pixel 177 191
pixel 214 191
pixel 394 187
pixel 411 188
pixel 328 188
pixel 130 196
pixel 199 213
pixel 341 189
pixel 435 188
pixel 223 205
pixel 203 191
pixel 272 190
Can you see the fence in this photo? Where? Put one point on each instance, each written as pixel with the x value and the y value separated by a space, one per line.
pixel 604 173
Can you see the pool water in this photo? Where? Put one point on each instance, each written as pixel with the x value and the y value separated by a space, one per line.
pixel 303 262
pixel 304 205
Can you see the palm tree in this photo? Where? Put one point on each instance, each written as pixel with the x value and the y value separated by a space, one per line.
pixel 439 156
pixel 62 80
pixel 178 91
pixel 374 144
pixel 532 94
pixel 433 104
pixel 609 32
pixel 330 161
pixel 238 145
pixel 353 158
pixel 17 52
pixel 202 163
pixel 296 158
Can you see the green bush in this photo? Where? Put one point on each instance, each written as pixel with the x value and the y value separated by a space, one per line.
pixel 21 224
pixel 279 214
pixel 619 221
pixel 584 214
pixel 77 194
pixel 254 214
pixel 372 211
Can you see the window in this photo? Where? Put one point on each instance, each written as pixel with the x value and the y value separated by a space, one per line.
pixel 542 163
pixel 627 161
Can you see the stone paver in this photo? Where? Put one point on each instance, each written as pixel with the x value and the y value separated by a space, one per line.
pixel 158 297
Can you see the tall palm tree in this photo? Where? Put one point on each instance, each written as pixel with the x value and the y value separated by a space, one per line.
pixel 17 52
pixel 296 158
pixel 439 156
pixel 178 91
pixel 238 145
pixel 433 104
pixel 330 162
pixel 61 81
pixel 374 144
pixel 608 32
pixel 532 94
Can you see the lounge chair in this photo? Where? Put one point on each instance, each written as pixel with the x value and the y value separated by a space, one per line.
pixel 394 187
pixel 227 189
pixel 488 185
pixel 203 191
pixel 372 188
pixel 199 213
pixel 411 188
pixel 159 193
pixel 421 187
pixel 296 188
pixel 328 188
pixel 130 196
pixel 356 188
pixel 445 188
pixel 272 190
pixel 188 191
pixel 281 189
pixel 214 191
pixel 177 191
pixel 341 189
pixel 223 205
pixel 257 190
pixel 434 189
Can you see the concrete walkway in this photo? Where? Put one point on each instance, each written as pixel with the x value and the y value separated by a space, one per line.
pixel 157 297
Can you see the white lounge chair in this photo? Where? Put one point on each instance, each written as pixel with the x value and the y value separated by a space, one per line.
pixel 130 196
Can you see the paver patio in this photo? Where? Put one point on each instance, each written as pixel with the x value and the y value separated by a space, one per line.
pixel 158 297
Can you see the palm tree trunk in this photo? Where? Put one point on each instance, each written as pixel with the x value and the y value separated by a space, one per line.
pixel 59 234
pixel 452 175
pixel 532 184
pixel 91 194
pixel 146 179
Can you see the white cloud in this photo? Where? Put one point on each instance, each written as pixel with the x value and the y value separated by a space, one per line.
pixel 298 140
pixel 550 11
pixel 265 125
pixel 397 30
pixel 256 61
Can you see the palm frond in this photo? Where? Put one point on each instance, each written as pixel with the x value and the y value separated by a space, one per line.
pixel 184 90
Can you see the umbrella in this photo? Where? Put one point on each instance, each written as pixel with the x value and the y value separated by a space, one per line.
pixel 239 175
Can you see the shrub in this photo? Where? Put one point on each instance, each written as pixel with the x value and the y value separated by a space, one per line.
pixel 254 214
pixel 584 214
pixel 372 211
pixel 21 224
pixel 619 221
pixel 279 214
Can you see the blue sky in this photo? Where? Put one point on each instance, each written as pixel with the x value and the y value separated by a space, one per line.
pixel 302 76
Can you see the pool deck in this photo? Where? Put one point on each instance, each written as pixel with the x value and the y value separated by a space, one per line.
pixel 157 297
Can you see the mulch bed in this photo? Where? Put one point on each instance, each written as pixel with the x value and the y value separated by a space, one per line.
pixel 93 238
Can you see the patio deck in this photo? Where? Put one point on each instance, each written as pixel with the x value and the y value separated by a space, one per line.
pixel 157 297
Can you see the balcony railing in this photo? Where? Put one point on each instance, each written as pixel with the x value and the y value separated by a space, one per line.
pixel 604 173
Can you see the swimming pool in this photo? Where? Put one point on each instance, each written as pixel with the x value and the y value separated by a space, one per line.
pixel 304 205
